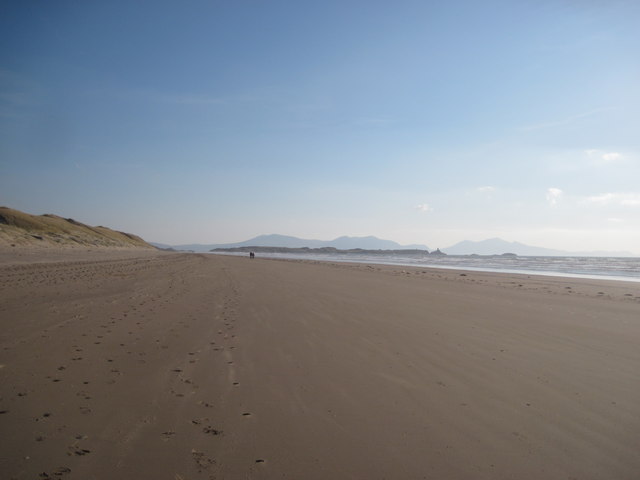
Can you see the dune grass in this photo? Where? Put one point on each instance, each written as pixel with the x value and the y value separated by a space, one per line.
pixel 22 229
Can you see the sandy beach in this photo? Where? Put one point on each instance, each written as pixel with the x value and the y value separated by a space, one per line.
pixel 187 366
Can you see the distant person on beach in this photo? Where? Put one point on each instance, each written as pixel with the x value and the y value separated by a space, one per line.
pixel 252 255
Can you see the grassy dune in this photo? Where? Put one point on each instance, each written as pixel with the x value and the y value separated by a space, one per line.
pixel 19 229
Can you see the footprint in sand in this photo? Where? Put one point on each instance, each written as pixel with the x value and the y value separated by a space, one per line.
pixel 58 472
pixel 211 431
pixel 74 449
pixel 202 461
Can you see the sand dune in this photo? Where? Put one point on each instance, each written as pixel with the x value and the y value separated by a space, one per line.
pixel 185 366
pixel 19 230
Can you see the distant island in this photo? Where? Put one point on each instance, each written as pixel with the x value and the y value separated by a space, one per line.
pixel 370 244
pixel 287 241
pixel 497 246
pixel 331 250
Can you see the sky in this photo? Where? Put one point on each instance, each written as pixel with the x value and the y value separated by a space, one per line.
pixel 426 122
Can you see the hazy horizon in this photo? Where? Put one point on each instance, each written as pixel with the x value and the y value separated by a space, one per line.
pixel 404 245
pixel 420 123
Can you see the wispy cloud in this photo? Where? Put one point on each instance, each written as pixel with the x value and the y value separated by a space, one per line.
pixel 189 99
pixel 18 94
pixel 372 121
pixel 16 98
pixel 602 157
pixel 611 157
pixel 486 189
pixel 424 207
pixel 554 195
pixel 159 97
pixel 619 199
pixel 561 122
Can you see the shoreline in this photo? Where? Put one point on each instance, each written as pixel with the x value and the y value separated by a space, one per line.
pixel 585 285
pixel 543 273
pixel 619 290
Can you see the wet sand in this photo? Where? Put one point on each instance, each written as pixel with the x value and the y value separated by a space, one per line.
pixel 187 366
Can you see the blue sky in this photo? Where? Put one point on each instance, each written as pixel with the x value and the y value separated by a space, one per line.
pixel 420 122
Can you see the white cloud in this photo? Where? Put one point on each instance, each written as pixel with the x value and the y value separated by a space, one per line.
pixel 600 157
pixel 561 122
pixel 486 189
pixel 554 195
pixel 621 199
pixel 423 207
pixel 611 157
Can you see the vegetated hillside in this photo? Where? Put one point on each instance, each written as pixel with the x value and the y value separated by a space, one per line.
pixel 19 229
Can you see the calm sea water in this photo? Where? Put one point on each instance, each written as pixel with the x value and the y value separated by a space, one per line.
pixel 613 268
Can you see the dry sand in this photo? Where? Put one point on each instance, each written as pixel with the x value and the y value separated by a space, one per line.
pixel 186 366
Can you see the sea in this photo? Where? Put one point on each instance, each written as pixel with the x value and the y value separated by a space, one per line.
pixel 604 268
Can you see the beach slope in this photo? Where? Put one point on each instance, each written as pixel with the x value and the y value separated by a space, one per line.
pixel 187 366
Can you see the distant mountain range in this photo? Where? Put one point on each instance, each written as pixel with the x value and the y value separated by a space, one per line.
pixel 341 243
pixel 493 246
pixel 497 246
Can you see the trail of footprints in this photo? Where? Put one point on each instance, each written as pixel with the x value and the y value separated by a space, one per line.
pixel 90 341
pixel 95 271
pixel 96 346
pixel 225 345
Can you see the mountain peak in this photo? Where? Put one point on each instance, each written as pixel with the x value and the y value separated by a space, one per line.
pixel 498 246
pixel 341 243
